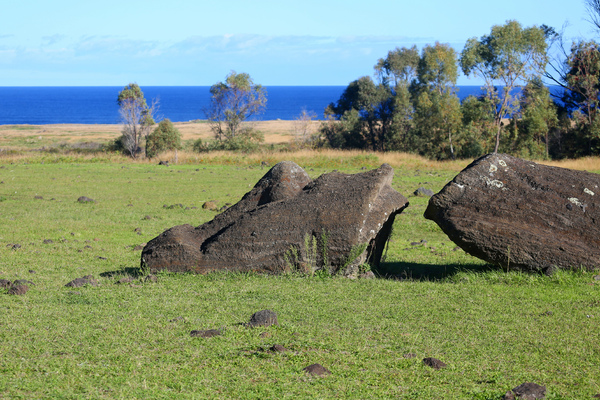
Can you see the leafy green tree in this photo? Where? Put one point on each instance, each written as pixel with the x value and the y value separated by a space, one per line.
pixel 399 68
pixel 437 107
pixel 510 56
pixel 233 103
pixel 538 118
pixel 366 110
pixel 165 137
pixel 582 96
pixel 136 116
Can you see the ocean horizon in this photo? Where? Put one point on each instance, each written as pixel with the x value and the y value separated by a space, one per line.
pixel 42 105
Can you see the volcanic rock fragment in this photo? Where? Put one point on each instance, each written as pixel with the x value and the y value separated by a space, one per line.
pixel 288 222
pixel 518 214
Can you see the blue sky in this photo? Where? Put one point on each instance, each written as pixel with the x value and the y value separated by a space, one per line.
pixel 197 42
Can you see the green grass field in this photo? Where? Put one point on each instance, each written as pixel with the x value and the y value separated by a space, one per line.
pixel 493 329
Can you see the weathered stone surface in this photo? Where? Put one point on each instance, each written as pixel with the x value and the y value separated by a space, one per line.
pixel 85 199
pixel 434 363
pixel 423 192
pixel 317 370
pixel 288 221
pixel 263 318
pixel 519 214
pixel 526 391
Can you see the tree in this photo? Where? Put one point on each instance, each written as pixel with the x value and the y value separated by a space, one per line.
pixel 583 95
pixel 437 107
pixel 399 67
pixel 538 117
pixel 511 56
pixel 367 113
pixel 233 103
pixel 303 127
pixel 165 137
pixel 137 118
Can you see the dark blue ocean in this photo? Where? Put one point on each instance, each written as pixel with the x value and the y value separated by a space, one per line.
pixel 98 105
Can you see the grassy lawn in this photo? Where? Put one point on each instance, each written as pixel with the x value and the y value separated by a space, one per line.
pixel 493 329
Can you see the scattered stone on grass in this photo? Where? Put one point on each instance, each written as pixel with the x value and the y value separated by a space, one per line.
pixel 422 192
pixel 48 241
pixel 80 282
pixel 526 391
pixel 263 318
pixel 173 206
pixel 434 363
pixel 5 283
pixel 18 290
pixel 85 199
pixel 210 205
pixel 14 246
pixel 317 370
pixel 269 228
pixel 206 333
pixel 516 213
pixel 277 348
pixel 410 355
pixel 147 218
pixel 38 198
pixel 125 279
pixel 165 163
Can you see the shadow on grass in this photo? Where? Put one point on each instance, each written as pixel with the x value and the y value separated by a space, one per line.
pixel 427 272
pixel 133 272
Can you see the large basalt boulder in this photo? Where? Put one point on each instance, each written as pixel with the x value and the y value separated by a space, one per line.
pixel 288 221
pixel 519 214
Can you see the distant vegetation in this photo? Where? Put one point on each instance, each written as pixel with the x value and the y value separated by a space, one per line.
pixel 412 105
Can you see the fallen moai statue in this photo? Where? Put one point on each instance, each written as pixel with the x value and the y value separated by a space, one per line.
pixel 516 213
pixel 289 222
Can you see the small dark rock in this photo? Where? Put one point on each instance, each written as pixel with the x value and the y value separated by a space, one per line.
pixel 18 289
pixel 84 199
pixel 176 319
pixel 263 318
pixel 165 163
pixel 14 246
pixel 79 282
pixel 278 348
pixel 102 258
pixel 5 283
pixel 549 271
pixel 317 370
pixel 206 333
pixel 210 205
pixel 48 241
pixel 434 363
pixel 38 198
pixel 146 217
pixel 526 391
pixel 423 192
